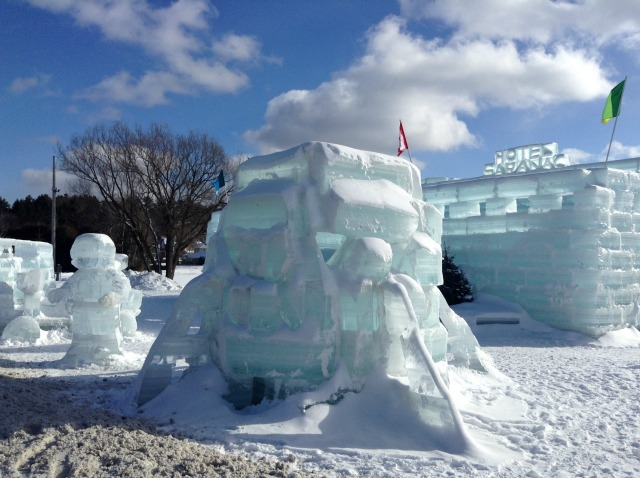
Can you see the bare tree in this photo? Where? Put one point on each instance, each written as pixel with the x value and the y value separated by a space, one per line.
pixel 157 184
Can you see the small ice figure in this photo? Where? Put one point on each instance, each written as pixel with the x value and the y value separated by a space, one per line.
pixel 95 293
pixel 31 283
pixel 130 307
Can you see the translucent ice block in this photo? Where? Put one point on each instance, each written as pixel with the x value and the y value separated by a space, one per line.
pixel 593 197
pixel 475 191
pixel 487 224
pixel 611 178
pixel 420 257
pixel 517 186
pixel 372 208
pixel 500 206
pixel 368 257
pixel 563 181
pixel 462 209
pixel 544 202
pixel 624 201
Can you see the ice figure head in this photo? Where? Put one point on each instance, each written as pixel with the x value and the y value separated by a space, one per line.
pixel 300 278
pixel 93 251
pixel 121 261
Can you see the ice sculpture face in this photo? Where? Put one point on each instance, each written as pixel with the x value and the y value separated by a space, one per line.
pixel 93 251
pixel 325 257
pixel 95 291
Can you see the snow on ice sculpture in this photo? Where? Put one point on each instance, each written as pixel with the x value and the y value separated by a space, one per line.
pixel 95 292
pixel 325 258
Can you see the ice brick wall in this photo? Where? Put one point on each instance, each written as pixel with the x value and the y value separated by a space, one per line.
pixel 565 244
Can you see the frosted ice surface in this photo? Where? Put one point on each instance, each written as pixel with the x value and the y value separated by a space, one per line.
pixel 462 209
pixel 24 328
pixel 326 257
pixel 500 206
pixel 95 292
pixel 544 202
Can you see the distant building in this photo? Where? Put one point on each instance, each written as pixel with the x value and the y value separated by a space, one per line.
pixel 561 240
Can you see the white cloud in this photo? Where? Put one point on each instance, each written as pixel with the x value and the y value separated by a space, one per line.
pixel 433 85
pixel 178 34
pixel 150 90
pixel 539 21
pixel 578 156
pixel 237 47
pixel 40 181
pixel 20 85
pixel 620 151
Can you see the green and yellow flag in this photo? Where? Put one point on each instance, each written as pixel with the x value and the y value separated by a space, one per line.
pixel 612 106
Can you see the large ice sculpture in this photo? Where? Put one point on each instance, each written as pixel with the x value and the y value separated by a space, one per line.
pixel 95 291
pixel 326 257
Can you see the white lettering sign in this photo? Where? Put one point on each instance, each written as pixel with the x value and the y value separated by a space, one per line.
pixel 523 159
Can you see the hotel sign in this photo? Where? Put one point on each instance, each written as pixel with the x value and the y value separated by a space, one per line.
pixel 523 159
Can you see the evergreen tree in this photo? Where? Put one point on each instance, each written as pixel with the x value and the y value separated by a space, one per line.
pixel 456 288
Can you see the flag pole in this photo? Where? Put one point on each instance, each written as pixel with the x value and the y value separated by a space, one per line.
pixel 611 141
pixel 615 123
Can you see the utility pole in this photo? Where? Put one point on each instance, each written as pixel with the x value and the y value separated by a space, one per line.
pixel 53 217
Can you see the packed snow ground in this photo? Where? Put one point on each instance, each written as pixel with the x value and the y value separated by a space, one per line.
pixel 558 404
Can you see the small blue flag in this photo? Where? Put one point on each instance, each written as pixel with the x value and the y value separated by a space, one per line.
pixel 218 183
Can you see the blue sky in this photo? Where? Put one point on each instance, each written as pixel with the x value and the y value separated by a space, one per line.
pixel 467 77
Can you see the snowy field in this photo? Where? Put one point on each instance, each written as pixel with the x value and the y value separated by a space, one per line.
pixel 558 404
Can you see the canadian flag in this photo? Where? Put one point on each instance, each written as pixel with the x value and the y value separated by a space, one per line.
pixel 402 141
